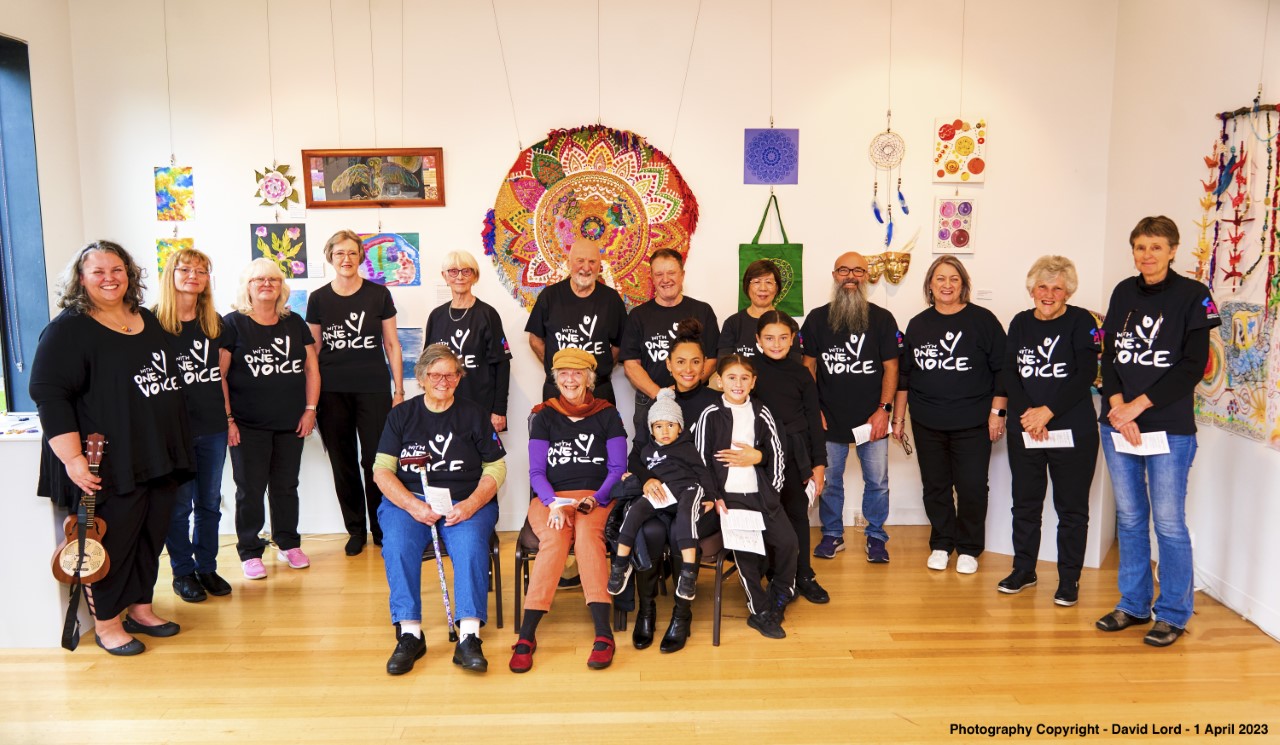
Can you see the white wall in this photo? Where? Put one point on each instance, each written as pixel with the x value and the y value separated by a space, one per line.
pixel 1166 95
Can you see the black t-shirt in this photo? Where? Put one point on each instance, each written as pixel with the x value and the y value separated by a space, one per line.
pixel 952 363
pixel 850 367
pixel 1145 334
pixel 593 323
pixel 267 379
pixel 577 456
pixel 739 335
pixel 351 355
pixel 90 379
pixel 196 357
pixel 651 329
pixel 481 344
pixel 1052 363
pixel 460 440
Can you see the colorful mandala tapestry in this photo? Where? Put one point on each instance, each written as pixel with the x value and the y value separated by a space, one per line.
pixel 605 185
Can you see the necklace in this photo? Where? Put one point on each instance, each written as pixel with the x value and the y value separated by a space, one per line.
pixel 459 318
pixel 111 323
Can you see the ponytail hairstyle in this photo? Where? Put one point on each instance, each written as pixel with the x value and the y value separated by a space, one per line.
pixel 770 317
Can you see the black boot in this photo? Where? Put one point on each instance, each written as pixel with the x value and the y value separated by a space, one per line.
pixel 646 609
pixel 678 631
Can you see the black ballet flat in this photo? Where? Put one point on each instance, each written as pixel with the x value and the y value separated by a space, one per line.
pixel 168 628
pixel 128 649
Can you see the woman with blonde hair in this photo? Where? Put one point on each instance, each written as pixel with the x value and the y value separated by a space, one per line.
pixel 272 379
pixel 186 311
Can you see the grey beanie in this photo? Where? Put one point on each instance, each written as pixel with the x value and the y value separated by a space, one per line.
pixel 665 409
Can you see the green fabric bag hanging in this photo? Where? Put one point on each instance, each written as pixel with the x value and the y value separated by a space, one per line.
pixel 788 256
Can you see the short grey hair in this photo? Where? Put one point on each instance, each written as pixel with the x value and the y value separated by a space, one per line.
pixel 460 260
pixel 591 376
pixel 1048 267
pixel 432 354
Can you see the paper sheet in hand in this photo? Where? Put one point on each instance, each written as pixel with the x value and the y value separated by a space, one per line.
pixel 440 499
pixel 862 434
pixel 1153 443
pixel 1058 438
pixel 563 502
pixel 667 500
pixel 751 541
pixel 811 491
pixel 742 520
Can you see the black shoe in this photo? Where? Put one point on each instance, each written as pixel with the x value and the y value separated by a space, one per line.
pixel 355 545
pixel 646 622
pixel 1163 634
pixel 409 649
pixel 213 584
pixel 1068 593
pixel 377 541
pixel 1118 620
pixel 778 602
pixel 1017 582
pixel 128 649
pixel 677 632
pixel 168 628
pixel 188 588
pixel 687 582
pixel 767 624
pixel 574 581
pixel 809 589
pixel 619 573
pixel 469 656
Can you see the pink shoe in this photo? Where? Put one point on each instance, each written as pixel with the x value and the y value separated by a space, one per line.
pixel 254 569
pixel 295 557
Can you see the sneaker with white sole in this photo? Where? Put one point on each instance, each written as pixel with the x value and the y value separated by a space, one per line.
pixel 966 564
pixel 877 553
pixel 295 558
pixel 254 569
pixel 828 547
pixel 938 560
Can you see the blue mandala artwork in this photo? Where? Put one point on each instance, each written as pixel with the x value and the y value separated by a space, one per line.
pixel 771 156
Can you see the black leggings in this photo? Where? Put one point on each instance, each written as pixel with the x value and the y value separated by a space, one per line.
pixel 795 503
pixel 137 523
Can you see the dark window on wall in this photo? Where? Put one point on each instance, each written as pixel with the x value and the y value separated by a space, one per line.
pixel 24 299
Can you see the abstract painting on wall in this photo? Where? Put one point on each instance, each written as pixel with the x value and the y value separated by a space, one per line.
pixel 298 302
pixel 283 243
pixel 953 225
pixel 410 347
pixel 959 151
pixel 391 259
pixel 165 248
pixel 1233 393
pixel 771 156
pixel 175 195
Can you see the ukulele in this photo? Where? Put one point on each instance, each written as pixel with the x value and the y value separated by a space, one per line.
pixel 67 559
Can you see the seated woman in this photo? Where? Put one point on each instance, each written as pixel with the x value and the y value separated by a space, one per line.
pixel 577 452
pixel 467 458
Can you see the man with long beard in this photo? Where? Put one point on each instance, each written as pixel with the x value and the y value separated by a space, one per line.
pixel 851 346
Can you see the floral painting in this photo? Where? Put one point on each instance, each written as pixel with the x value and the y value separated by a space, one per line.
pixel 275 186
pixel 175 196
pixel 283 243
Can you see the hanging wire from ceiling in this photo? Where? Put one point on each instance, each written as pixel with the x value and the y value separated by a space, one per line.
pixel 333 49
pixel 168 90
pixel 506 72
pixel 373 75
pixel 687 64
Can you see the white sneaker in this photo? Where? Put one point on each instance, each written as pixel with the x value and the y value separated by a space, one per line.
pixel 966 564
pixel 938 560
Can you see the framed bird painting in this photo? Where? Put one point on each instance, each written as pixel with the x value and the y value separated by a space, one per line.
pixel 395 177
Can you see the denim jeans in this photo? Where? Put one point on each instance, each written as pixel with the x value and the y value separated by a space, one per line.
pixel 203 496
pixel 467 543
pixel 874 457
pixel 1147 487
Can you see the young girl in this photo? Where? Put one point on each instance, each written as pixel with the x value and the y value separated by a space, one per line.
pixel 671 457
pixel 739 441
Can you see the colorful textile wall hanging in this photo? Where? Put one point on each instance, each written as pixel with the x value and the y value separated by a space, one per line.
pixel 953 225
pixel 606 185
pixel 771 156
pixel 391 259
pixel 959 151
pixel 175 193
pixel 1233 393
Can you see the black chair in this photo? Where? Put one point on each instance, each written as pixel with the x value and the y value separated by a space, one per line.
pixel 527 551
pixel 495 572
pixel 713 555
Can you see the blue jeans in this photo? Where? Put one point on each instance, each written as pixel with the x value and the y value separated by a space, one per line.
pixel 1153 486
pixel 467 543
pixel 203 496
pixel 874 457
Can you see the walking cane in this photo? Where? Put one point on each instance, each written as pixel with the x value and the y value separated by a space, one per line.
pixel 421 462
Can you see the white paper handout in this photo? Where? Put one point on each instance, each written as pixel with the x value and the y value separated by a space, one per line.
pixel 742 520
pixel 1058 438
pixel 862 434
pixel 743 530
pixel 1153 443
pixel 811 492
pixel 666 500
pixel 562 502
pixel 440 499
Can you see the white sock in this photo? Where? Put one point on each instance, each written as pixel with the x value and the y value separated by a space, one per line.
pixel 411 627
pixel 468 627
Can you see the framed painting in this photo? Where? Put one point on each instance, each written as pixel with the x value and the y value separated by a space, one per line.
pixel 396 177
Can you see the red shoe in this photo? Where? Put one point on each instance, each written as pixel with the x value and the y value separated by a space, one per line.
pixel 601 658
pixel 522 662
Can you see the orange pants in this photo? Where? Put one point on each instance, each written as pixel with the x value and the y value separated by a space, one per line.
pixel 586 534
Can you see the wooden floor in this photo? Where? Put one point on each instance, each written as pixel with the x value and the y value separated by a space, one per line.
pixel 900 655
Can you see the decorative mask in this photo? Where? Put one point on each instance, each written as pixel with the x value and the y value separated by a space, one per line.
pixel 892 264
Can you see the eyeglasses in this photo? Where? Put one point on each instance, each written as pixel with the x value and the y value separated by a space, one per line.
pixel 266 280
pixel 346 254
pixel 844 271
pixel 465 272
pixel 187 271
pixel 449 378
pixel 762 282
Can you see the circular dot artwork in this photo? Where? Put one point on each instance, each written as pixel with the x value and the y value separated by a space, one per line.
pixel 953 221
pixel 959 151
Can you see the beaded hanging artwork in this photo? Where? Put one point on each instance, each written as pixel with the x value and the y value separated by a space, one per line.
pixel 886 152
pixel 607 185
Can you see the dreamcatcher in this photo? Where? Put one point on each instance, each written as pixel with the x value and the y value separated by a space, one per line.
pixel 886 153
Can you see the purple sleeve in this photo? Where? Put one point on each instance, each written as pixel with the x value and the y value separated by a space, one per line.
pixel 617 449
pixel 538 471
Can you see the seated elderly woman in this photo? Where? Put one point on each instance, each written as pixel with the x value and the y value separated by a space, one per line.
pixel 577 452
pixel 465 457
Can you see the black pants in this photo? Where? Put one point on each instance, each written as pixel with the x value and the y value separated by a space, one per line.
pixel 266 461
pixel 136 525
pixel 686 517
pixel 779 541
pixel 954 459
pixel 603 389
pixel 796 506
pixel 341 418
pixel 1071 470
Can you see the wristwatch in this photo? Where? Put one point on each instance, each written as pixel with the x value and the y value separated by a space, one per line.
pixel 887 406
pixel 1002 413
